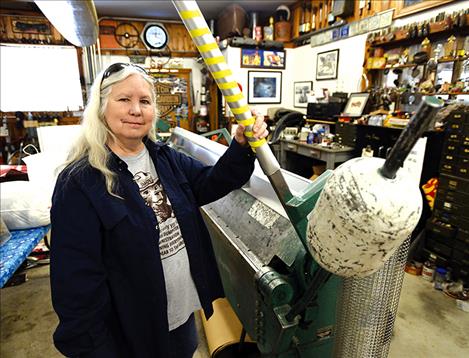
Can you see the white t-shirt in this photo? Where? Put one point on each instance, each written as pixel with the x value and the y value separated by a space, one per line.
pixel 182 295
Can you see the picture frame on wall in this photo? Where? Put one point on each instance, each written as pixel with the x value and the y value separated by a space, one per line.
pixel 258 58
pixel 302 89
pixel 264 87
pixel 356 104
pixel 327 64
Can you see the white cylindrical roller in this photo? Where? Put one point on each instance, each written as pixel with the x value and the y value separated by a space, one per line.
pixel 361 218
pixel 368 207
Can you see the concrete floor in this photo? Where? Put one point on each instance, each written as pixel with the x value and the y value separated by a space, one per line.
pixel 428 324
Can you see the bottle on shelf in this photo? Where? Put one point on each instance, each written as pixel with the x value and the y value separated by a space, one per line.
pixel 269 30
pixel 304 26
pixel 301 26
pixel 313 18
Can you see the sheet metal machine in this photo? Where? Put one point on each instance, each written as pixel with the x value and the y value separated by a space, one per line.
pixel 269 276
pixel 265 269
pixel 271 253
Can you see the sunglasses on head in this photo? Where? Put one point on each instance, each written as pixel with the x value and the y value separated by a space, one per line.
pixel 119 66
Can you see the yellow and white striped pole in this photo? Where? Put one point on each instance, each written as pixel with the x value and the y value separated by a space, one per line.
pixel 205 42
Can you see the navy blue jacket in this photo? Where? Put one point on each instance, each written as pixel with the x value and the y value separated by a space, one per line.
pixel 106 275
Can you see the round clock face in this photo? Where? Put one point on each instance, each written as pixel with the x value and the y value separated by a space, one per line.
pixel 155 36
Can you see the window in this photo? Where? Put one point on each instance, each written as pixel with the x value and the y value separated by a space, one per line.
pixel 39 78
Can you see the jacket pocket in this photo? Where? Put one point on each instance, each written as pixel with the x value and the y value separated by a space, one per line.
pixel 111 211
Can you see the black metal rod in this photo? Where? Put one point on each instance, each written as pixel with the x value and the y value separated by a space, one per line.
pixel 319 278
pixel 242 340
pixel 418 124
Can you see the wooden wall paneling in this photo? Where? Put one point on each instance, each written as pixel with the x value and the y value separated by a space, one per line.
pixel 180 43
pixel 381 5
pixel 107 39
pixel 179 39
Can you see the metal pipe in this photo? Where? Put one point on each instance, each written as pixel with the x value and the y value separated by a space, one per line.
pixel 418 124
pixel 205 42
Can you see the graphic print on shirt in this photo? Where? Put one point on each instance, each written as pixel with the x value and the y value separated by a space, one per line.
pixel 155 197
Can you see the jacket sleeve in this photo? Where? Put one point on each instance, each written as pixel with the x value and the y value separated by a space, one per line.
pixel 78 279
pixel 210 183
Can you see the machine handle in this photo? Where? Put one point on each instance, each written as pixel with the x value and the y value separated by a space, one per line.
pixel 205 42
pixel 418 124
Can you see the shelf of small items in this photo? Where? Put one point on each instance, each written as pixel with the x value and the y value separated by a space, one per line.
pixel 432 63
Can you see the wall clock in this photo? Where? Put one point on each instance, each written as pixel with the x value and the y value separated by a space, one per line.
pixel 155 36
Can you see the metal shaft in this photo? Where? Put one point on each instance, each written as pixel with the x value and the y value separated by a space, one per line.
pixel 205 42
pixel 418 124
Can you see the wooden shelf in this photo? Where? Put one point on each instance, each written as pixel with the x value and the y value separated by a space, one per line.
pixel 454 59
pixel 451 94
pixel 393 67
pixel 432 36
pixel 323 121
pixel 411 65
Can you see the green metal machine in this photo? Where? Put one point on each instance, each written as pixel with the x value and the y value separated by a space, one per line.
pixel 269 278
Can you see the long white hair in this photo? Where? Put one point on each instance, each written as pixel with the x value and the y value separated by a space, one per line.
pixel 91 144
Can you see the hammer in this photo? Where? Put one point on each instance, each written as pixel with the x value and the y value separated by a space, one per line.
pixel 368 207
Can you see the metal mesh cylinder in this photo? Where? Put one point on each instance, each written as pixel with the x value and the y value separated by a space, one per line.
pixel 367 310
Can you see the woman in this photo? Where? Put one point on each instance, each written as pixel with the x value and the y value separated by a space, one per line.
pixel 132 259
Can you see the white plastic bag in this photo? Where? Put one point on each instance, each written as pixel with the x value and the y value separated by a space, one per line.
pixel 43 169
pixel 24 205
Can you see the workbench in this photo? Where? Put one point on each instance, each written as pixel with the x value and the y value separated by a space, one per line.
pixel 316 151
pixel 17 249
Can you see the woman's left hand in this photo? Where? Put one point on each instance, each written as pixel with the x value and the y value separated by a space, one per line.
pixel 259 130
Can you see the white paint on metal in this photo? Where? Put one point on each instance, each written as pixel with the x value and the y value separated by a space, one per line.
pixel 361 218
pixel 262 214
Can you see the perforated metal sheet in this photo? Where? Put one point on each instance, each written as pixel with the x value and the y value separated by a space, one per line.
pixel 367 309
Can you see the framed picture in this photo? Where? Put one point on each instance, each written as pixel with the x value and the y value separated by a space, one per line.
pixel 356 104
pixel 301 92
pixel 264 87
pixel 273 59
pixel 258 58
pixel 407 7
pixel 327 64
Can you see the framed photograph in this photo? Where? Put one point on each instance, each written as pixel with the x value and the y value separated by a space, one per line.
pixel 301 92
pixel 356 104
pixel 258 58
pixel 407 7
pixel 264 87
pixel 273 59
pixel 327 65
pixel 251 57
